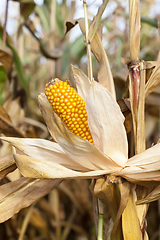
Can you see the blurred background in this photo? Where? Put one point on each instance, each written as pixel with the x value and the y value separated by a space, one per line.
pixel 34 49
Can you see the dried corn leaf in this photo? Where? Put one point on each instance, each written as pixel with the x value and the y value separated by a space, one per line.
pixel 104 75
pixel 7 165
pixel 124 189
pixel 14 110
pixel 6 57
pixel 107 192
pixel 6 126
pixel 153 196
pixel 130 223
pixel 96 20
pixel 39 222
pixel 21 193
pixel 153 81
pixel 134 29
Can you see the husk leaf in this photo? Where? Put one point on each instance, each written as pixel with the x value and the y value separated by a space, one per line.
pixel 130 223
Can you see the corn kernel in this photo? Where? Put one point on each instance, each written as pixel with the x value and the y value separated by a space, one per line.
pixel 69 106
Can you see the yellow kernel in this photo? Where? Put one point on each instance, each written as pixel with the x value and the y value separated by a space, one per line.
pixel 69 106
pixel 87 133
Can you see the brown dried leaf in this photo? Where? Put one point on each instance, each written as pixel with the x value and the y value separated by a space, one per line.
pixel 6 126
pixel 153 196
pixel 114 194
pixel 105 77
pixel 22 193
pixel 7 165
pixel 124 189
pixel 6 56
pixel 153 81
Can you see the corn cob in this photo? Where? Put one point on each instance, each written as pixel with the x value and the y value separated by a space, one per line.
pixel 69 106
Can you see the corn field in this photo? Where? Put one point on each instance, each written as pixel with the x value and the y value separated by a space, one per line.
pixel 79 120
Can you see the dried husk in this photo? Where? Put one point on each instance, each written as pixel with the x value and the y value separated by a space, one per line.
pixel 96 96
pixel 130 223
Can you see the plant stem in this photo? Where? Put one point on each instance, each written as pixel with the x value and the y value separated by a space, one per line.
pixel 5 24
pixel 89 57
pixel 100 227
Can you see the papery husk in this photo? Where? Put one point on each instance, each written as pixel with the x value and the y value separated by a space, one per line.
pixel 114 193
pixel 21 193
pixel 7 165
pixel 37 168
pixel 96 96
pixel 106 120
pixel 130 222
pixel 44 149
pixel 76 148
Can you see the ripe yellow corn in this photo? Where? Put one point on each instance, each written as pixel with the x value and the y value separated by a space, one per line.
pixel 69 106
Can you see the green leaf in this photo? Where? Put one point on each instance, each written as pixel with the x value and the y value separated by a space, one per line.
pixel 19 68
pixel 44 16
pixel 3 76
pixel 78 46
pixel 59 20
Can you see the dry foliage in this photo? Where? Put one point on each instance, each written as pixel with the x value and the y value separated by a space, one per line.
pixel 44 192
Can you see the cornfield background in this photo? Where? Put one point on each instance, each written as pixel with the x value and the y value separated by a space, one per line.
pixel 35 48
